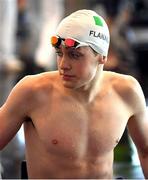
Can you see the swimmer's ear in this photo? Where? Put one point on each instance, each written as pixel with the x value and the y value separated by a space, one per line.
pixel 102 59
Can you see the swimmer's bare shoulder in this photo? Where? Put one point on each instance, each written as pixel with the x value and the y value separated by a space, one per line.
pixel 19 103
pixel 38 86
pixel 130 92
pixel 30 84
pixel 127 87
pixel 34 83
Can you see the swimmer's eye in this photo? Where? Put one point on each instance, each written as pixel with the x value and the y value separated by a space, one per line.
pixel 59 53
pixel 75 55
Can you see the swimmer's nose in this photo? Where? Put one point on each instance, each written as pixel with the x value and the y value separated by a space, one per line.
pixel 65 64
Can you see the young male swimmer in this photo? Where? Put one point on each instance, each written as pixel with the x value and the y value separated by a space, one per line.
pixel 74 117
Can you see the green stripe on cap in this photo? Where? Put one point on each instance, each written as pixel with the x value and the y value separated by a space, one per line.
pixel 98 21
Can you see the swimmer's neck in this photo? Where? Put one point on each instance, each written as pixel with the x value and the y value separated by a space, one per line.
pixel 88 92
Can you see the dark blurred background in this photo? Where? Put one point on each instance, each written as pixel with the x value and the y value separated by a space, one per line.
pixel 25 30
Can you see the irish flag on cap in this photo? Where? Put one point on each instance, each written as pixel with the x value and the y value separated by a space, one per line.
pixel 98 21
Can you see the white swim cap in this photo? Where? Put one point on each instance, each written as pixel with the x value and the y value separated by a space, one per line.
pixel 86 26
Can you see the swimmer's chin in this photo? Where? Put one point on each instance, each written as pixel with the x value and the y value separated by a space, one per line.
pixel 70 85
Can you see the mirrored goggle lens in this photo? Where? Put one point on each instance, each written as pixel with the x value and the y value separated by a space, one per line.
pixel 56 41
pixel 70 43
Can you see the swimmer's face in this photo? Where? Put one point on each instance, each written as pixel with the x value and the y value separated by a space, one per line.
pixel 77 66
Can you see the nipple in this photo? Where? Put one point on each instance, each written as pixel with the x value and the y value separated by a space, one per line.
pixel 54 141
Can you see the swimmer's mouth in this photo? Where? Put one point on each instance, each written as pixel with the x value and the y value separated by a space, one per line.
pixel 67 76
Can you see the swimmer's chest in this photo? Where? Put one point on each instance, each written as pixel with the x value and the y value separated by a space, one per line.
pixel 75 129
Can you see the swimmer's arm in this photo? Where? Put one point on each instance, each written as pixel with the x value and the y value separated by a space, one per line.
pixel 13 113
pixel 138 124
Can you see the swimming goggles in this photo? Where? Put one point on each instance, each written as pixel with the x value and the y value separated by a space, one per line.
pixel 56 41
